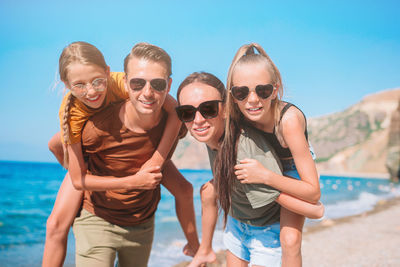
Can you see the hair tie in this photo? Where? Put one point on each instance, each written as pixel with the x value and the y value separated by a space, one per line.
pixel 250 50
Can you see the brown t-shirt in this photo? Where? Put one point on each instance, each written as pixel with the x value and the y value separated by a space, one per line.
pixel 113 150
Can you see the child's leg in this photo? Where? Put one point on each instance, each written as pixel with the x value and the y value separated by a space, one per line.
pixel 182 190
pixel 67 205
pixel 209 217
pixel 56 147
pixel 291 236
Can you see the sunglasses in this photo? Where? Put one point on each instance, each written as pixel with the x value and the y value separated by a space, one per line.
pixel 138 84
pixel 208 110
pixel 262 90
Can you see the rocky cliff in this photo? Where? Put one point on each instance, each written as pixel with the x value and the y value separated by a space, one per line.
pixel 393 149
pixel 353 140
pixel 356 139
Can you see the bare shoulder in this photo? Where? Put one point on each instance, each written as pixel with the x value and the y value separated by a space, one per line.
pixel 293 120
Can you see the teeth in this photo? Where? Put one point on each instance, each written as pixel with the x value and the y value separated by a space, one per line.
pixel 201 129
pixel 94 98
pixel 254 109
pixel 147 102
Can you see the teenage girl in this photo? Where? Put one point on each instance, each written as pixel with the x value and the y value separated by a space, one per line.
pixel 201 97
pixel 256 89
pixel 83 70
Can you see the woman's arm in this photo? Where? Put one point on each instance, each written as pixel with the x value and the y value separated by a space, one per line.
pixel 147 178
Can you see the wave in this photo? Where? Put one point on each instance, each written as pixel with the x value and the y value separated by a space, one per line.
pixel 366 201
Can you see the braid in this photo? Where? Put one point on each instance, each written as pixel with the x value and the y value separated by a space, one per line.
pixel 65 126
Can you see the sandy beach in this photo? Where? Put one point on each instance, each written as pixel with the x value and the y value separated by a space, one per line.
pixel 370 239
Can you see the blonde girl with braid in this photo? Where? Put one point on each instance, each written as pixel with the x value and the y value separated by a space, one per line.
pixel 93 87
pixel 255 92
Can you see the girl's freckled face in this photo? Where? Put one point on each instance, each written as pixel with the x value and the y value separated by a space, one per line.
pixel 85 74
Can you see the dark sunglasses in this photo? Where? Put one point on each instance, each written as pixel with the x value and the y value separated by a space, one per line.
pixel 262 90
pixel 138 84
pixel 208 110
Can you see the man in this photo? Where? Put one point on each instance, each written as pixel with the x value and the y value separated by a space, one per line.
pixel 117 142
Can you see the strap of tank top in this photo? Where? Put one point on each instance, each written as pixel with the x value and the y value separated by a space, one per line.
pixel 286 107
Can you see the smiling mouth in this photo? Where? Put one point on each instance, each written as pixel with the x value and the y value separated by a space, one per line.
pixel 147 102
pixel 93 99
pixel 254 109
pixel 202 129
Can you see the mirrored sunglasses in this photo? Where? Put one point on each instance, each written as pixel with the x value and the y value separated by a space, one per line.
pixel 138 84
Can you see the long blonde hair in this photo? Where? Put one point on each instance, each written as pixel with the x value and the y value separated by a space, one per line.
pixel 76 52
pixel 226 159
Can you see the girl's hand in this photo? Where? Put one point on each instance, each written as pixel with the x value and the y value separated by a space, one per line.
pixel 250 171
pixel 146 179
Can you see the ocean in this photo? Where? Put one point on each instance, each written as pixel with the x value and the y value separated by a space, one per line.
pixel 28 191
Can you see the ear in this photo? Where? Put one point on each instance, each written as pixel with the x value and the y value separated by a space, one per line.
pixel 169 84
pixel 108 70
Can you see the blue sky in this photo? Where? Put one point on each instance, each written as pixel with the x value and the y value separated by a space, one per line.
pixel 330 53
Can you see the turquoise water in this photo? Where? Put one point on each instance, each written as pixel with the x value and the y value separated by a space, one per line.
pixel 28 191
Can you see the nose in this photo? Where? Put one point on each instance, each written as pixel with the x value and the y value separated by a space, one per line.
pixel 147 91
pixel 90 90
pixel 253 97
pixel 198 118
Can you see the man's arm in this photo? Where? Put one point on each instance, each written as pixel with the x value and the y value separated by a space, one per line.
pixel 182 190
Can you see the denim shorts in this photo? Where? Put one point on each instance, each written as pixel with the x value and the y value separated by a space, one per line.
pixel 289 169
pixel 259 245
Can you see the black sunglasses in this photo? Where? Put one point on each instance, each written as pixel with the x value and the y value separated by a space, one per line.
pixel 208 110
pixel 262 90
pixel 138 84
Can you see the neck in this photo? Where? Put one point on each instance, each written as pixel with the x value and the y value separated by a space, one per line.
pixel 137 122
pixel 266 124
pixel 215 143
